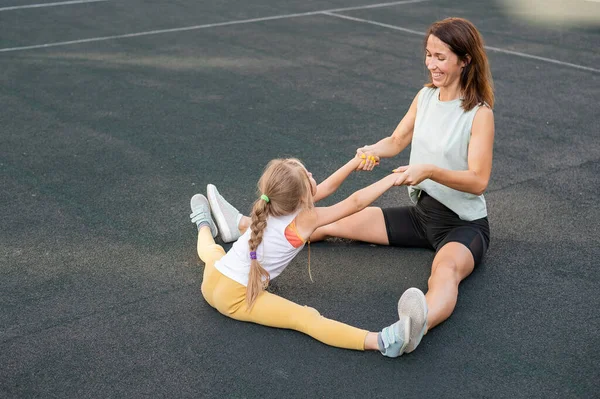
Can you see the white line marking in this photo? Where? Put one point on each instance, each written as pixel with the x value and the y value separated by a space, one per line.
pixel 331 12
pixel 414 32
pixel 62 3
pixel 195 27
pixel 535 57
pixel 496 49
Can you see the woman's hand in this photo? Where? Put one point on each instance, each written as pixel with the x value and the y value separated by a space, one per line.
pixel 369 160
pixel 415 174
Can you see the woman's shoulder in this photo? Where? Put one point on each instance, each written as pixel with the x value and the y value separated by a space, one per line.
pixel 426 94
pixel 484 116
pixel 483 111
pixel 427 91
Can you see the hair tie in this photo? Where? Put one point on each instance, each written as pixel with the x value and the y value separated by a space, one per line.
pixel 252 254
pixel 265 198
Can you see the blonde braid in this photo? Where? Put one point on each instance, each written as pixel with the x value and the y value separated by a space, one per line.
pixel 257 272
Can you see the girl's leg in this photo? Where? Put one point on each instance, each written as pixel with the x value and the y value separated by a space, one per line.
pixel 274 311
pixel 453 263
pixel 244 224
pixel 209 253
pixel 208 250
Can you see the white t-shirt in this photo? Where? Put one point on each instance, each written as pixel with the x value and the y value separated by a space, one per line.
pixel 274 253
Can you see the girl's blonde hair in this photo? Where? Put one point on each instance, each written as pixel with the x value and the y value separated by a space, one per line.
pixel 466 42
pixel 286 184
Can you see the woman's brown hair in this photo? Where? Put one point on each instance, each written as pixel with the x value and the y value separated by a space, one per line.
pixel 286 184
pixel 464 40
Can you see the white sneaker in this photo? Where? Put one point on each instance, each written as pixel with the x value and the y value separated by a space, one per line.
pixel 226 216
pixel 412 304
pixel 201 213
pixel 395 337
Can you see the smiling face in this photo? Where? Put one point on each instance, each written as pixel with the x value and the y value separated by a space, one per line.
pixel 443 64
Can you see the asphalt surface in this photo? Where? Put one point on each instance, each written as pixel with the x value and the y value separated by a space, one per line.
pixel 105 137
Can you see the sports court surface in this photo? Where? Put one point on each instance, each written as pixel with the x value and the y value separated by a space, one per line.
pixel 114 113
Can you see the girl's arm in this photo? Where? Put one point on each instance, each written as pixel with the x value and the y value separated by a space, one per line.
pixel 474 180
pixel 394 144
pixel 309 220
pixel 329 185
pixel 384 148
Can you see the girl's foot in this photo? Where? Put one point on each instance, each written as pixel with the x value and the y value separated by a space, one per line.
pixel 201 213
pixel 394 339
pixel 226 216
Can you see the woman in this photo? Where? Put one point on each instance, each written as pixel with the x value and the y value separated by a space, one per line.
pixel 450 126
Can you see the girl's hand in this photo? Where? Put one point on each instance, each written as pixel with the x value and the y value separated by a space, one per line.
pixel 415 174
pixel 368 159
pixel 400 179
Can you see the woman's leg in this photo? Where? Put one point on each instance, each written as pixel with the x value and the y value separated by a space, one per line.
pixel 351 227
pixel 452 264
pixel 367 225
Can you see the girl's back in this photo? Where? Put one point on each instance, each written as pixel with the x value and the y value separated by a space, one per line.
pixel 280 244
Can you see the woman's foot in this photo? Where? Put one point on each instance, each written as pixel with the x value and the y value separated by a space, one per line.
pixel 412 304
pixel 226 216
pixel 201 213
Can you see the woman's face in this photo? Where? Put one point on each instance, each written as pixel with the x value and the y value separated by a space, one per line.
pixel 443 65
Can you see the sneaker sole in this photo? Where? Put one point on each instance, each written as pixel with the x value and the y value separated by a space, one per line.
pixel 226 235
pixel 413 304
pixel 407 324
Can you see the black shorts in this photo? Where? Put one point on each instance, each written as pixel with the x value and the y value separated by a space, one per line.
pixel 430 224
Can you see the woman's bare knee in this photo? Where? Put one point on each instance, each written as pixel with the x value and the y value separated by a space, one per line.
pixel 444 271
pixel 453 259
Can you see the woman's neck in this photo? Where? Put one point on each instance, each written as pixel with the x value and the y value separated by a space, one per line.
pixel 451 92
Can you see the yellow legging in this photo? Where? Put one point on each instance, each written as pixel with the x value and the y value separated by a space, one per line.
pixel 229 298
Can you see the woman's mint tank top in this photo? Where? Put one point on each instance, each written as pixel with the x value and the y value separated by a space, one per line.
pixel 441 137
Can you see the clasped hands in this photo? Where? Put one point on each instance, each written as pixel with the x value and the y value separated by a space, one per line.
pixel 408 175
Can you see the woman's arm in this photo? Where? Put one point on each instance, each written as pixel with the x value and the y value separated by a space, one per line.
pixel 474 180
pixel 333 182
pixel 394 144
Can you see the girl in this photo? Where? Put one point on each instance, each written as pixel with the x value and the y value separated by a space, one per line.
pixel 281 221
